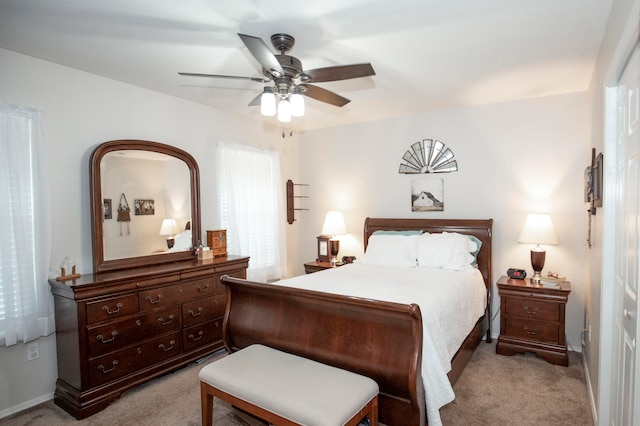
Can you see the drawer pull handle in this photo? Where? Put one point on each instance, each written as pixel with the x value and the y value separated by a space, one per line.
pixel 172 343
pixel 101 338
pixel 530 311
pixel 203 290
pixel 193 314
pixel 194 338
pixel 153 302
pixel 105 370
pixel 106 309
pixel 163 322
pixel 531 332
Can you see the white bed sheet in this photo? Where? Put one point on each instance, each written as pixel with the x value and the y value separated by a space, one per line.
pixel 438 292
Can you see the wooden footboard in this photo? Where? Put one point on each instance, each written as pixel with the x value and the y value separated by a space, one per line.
pixel 380 340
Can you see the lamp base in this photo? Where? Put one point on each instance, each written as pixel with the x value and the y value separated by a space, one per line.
pixel 170 242
pixel 537 263
pixel 334 248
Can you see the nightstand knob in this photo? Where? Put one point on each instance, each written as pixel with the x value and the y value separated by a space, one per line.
pixel 529 311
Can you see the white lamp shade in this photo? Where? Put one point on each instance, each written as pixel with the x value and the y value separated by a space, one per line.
pixel 297 104
pixel 284 111
pixel 334 224
pixel 538 229
pixel 268 102
pixel 169 227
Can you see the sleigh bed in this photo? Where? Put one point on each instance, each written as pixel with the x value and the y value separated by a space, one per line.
pixel 369 335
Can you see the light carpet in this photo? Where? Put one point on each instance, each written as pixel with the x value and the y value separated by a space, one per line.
pixel 493 390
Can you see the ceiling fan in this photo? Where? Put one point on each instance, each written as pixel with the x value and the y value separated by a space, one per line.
pixel 290 80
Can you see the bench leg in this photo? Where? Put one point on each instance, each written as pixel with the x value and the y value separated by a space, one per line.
pixel 206 402
pixel 373 413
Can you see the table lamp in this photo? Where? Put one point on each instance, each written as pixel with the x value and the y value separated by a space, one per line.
pixel 537 230
pixel 169 227
pixel 334 225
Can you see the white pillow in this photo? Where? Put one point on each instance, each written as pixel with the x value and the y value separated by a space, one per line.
pixel 391 250
pixel 445 250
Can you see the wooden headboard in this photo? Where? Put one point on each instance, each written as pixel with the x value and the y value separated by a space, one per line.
pixel 480 228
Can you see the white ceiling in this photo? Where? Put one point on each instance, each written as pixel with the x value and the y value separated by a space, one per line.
pixel 427 54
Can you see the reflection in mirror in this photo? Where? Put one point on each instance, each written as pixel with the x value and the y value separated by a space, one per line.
pixel 155 187
pixel 157 182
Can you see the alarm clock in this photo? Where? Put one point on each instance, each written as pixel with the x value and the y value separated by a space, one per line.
pixel 519 274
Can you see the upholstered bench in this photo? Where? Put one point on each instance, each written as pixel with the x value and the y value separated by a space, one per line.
pixel 286 389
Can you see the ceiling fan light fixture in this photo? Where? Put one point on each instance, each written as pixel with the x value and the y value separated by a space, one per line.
pixel 297 103
pixel 268 102
pixel 284 111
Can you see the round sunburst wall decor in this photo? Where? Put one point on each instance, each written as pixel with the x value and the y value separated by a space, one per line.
pixel 428 156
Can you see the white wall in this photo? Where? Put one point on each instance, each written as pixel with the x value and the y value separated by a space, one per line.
pixel 81 111
pixel 513 158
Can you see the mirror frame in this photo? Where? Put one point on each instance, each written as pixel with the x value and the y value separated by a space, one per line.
pixel 99 263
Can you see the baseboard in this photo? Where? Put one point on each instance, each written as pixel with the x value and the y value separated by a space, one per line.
pixel 592 399
pixel 25 405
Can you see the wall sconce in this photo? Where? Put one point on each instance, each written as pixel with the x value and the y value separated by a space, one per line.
pixel 169 227
pixel 537 230
pixel 334 225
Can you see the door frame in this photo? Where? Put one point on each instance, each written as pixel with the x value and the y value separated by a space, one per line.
pixel 606 375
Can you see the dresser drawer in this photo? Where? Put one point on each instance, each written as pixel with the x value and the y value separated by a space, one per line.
pixel 118 334
pixel 533 309
pixel 202 334
pixel 161 297
pixel 202 310
pixel 117 364
pixel 532 330
pixel 112 308
pixel 199 288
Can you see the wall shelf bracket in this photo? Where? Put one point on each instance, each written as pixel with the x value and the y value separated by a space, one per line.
pixel 290 200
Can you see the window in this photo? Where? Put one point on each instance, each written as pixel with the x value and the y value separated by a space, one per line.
pixel 26 311
pixel 251 208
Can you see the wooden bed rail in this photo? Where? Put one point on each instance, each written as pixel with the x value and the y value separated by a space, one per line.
pixel 381 340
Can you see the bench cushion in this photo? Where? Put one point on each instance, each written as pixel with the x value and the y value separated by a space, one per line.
pixel 290 386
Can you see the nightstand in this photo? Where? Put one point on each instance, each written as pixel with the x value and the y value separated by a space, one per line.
pixel 532 319
pixel 311 267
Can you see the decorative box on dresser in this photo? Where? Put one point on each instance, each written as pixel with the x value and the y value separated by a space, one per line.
pixel 532 319
pixel 115 330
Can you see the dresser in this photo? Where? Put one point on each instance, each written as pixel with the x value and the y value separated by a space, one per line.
pixel 532 319
pixel 116 330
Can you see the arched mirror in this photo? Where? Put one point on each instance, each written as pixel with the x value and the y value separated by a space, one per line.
pixel 160 184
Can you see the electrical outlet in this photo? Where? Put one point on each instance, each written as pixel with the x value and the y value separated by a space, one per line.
pixel 33 352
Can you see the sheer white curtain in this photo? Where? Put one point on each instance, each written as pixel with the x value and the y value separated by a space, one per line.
pixel 252 208
pixel 26 304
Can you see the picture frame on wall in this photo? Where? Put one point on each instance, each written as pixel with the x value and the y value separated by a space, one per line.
pixel 427 195
pixel 596 177
pixel 106 208
pixel 144 207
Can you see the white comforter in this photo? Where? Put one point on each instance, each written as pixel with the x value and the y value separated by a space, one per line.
pixel 451 303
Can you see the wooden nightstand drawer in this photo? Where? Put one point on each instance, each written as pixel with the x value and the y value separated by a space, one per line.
pixel 532 319
pixel 531 308
pixel 532 330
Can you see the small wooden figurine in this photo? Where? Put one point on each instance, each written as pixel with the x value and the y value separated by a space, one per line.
pixel 67 264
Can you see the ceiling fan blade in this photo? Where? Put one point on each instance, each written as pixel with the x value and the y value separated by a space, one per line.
pixel 323 95
pixel 235 77
pixel 341 72
pixel 263 54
